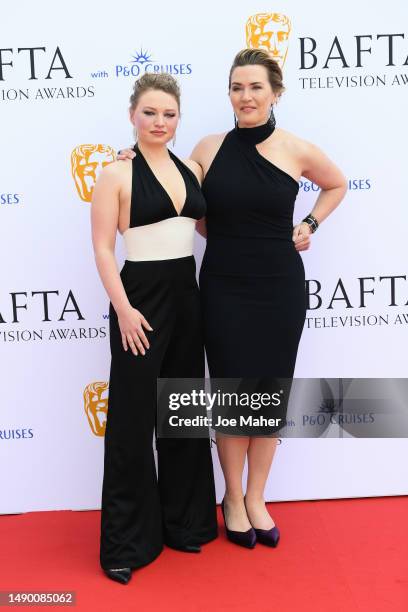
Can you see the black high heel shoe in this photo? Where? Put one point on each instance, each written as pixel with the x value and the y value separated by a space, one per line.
pixel 242 538
pixel 122 575
pixel 268 537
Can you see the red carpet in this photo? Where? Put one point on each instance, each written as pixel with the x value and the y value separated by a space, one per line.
pixel 334 556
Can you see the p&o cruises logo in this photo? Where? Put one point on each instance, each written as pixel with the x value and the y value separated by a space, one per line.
pixel 142 62
pixel 10 198
pixel 16 434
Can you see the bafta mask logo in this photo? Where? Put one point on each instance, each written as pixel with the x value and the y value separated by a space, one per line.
pixel 269 31
pixel 87 160
pixel 96 406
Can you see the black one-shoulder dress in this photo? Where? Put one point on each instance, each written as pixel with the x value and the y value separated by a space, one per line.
pixel 252 279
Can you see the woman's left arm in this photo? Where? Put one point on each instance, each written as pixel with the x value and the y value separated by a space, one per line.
pixel 319 169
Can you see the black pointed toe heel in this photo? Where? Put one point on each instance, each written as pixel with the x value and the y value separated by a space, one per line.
pixel 122 575
pixel 269 537
pixel 242 538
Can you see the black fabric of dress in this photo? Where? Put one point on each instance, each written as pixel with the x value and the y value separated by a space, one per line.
pixel 141 511
pixel 252 278
pixel 150 201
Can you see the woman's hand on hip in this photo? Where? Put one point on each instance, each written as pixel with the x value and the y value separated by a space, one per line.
pixel 131 324
pixel 301 236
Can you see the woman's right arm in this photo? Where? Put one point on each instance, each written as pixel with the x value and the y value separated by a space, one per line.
pixel 104 221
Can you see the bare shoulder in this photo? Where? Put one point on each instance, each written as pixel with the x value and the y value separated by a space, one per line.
pixel 212 139
pixel 292 143
pixel 306 153
pixel 117 168
pixel 115 172
pixel 195 168
pixel 206 149
pixel 313 162
pixel 210 142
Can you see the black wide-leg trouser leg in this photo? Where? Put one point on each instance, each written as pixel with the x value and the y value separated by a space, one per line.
pixel 185 470
pixel 137 513
pixel 131 520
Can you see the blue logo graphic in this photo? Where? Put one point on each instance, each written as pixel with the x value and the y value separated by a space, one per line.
pixel 141 57
pixel 141 62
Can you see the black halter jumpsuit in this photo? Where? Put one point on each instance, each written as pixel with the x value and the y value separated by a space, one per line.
pixel 139 510
pixel 252 278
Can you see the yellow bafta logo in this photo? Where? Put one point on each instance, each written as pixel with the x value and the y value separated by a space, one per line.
pixel 269 31
pixel 96 406
pixel 87 160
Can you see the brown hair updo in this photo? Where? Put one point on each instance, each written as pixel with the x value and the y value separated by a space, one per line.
pixel 160 81
pixel 259 57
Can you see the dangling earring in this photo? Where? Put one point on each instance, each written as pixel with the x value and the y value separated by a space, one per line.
pixel 174 140
pixel 272 120
pixel 235 121
pixel 135 134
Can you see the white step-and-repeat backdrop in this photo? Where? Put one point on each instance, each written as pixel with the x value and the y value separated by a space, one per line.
pixel 66 74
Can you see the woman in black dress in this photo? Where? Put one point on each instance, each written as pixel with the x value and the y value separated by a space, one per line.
pixel 252 278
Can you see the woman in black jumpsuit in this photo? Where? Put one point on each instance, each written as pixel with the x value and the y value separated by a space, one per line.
pixel 139 511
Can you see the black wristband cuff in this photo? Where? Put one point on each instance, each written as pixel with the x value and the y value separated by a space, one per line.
pixel 312 222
